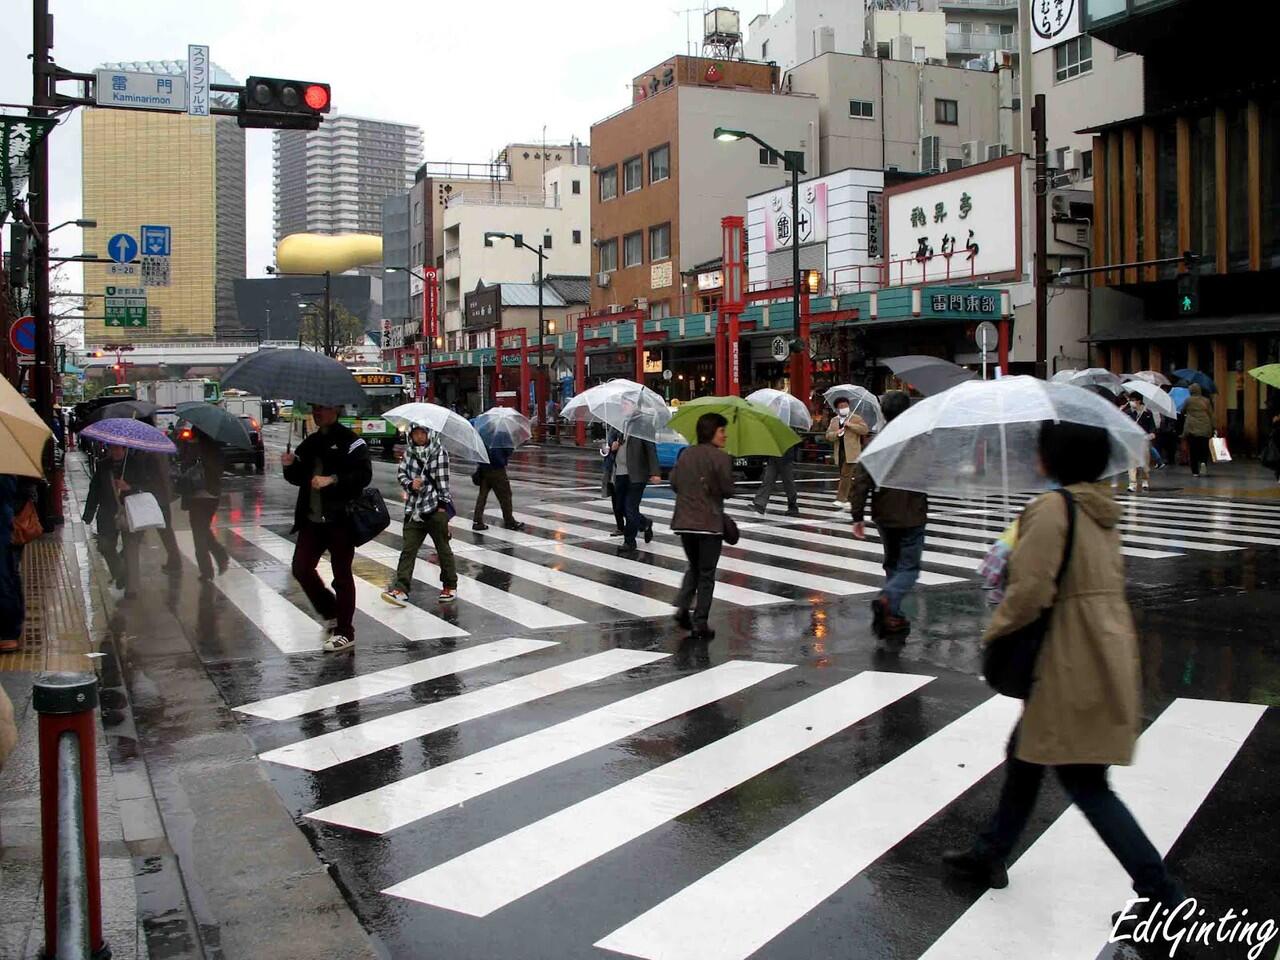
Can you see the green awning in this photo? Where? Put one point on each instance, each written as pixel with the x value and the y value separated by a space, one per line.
pixel 18 137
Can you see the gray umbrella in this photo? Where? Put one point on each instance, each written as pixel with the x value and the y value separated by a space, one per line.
pixel 929 375
pixel 303 376
pixel 124 410
pixel 215 422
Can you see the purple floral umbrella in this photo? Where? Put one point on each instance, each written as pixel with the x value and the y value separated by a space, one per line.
pixel 134 434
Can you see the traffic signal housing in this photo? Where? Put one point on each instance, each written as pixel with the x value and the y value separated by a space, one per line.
pixel 1187 303
pixel 276 104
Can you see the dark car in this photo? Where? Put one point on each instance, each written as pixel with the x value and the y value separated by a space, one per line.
pixel 270 411
pixel 231 456
pixel 752 467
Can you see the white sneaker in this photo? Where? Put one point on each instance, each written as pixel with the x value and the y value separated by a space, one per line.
pixel 1132 488
pixel 337 643
pixel 396 597
pixel 1145 486
pixel 328 626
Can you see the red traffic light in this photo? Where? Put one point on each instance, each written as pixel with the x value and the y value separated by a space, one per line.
pixel 316 96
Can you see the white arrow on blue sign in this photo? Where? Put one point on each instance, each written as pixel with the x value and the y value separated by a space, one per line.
pixel 155 240
pixel 122 248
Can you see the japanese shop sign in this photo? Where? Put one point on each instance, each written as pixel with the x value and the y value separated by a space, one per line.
pixel 780 226
pixel 1053 22
pixel 961 303
pixel 956 226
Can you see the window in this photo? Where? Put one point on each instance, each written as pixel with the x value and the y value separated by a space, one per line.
pixel 608 184
pixel 546 241
pixel 632 175
pixel 862 109
pixel 1073 58
pixel 633 249
pixel 417 212
pixel 576 187
pixel 577 236
pixel 764 50
pixel 659 242
pixel 555 193
pixel 946 111
pixel 768 158
pixel 1086 165
pixel 660 163
pixel 608 256
pixel 660 310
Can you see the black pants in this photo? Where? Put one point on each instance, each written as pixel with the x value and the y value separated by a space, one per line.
pixel 703 551
pixel 208 549
pixel 629 491
pixel 1087 786
pixel 1198 453
pixel 495 479
pixel 314 539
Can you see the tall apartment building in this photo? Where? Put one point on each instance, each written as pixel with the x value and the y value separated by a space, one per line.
pixel 171 169
pixel 334 179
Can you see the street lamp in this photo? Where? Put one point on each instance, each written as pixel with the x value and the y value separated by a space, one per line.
pixel 426 334
pixel 540 389
pixel 329 349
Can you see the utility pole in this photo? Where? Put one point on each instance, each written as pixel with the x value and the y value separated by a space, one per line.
pixel 328 318
pixel 1041 268
pixel 540 394
pixel 38 193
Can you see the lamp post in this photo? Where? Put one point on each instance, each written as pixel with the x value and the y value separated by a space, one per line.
pixel 329 349
pixel 426 334
pixel 540 388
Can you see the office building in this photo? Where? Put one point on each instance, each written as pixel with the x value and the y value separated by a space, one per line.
pixel 168 169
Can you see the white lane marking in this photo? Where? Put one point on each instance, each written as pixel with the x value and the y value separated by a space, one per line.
pixel 281 623
pixel 362 739
pixel 733 911
pixel 410 622
pixel 1263 509
pixel 504 870
pixel 426 793
pixel 985 536
pixel 1063 890
pixel 995 526
pixel 295 704
pixel 509 606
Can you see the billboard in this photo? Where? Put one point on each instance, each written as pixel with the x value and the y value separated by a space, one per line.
pixel 779 225
pixel 1053 22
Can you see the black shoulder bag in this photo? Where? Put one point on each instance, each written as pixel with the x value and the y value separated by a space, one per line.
pixel 1009 662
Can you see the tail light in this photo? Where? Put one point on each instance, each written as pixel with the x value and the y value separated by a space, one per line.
pixel 185 433
pixel 254 423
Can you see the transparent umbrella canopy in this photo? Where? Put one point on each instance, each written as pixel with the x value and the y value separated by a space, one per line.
pixel 982 437
pixel 1159 401
pixel 503 427
pixel 786 407
pixel 625 405
pixel 1097 377
pixel 861 402
pixel 456 432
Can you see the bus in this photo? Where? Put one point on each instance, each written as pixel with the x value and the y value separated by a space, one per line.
pixel 384 391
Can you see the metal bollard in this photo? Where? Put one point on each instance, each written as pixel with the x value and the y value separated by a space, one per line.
pixel 66 703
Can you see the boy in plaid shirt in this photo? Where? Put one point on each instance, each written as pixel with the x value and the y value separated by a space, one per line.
pixel 424 475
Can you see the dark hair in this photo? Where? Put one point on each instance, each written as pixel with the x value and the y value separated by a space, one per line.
pixel 1073 452
pixel 894 403
pixel 1137 398
pixel 707 426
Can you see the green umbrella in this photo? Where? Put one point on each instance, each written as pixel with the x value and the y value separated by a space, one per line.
pixel 753 431
pixel 1268 374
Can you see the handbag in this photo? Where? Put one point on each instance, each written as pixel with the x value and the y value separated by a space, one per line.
pixel 191 481
pixel 731 533
pixel 1218 449
pixel 26 524
pixel 367 515
pixel 475 476
pixel 1009 661
pixel 141 511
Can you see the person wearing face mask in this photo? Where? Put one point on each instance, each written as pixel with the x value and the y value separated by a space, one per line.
pixel 845 433
pixel 1144 418
pixel 424 476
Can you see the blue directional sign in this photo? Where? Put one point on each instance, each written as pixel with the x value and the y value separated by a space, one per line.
pixel 155 240
pixel 122 248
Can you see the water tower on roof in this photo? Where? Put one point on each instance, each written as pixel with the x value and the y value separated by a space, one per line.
pixel 722 34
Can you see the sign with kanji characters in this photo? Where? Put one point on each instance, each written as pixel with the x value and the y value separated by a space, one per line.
pixel 155 271
pixel 128 88
pixel 125 306
pixel 1052 22
pixel 961 303
pixel 781 227
pixel 956 226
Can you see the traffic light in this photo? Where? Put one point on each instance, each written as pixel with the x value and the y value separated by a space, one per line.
pixel 271 103
pixel 17 255
pixel 1188 299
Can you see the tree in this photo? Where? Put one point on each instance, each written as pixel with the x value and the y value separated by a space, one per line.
pixel 347 329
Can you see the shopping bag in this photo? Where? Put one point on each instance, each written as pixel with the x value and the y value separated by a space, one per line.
pixel 142 512
pixel 1218 449
pixel 26 524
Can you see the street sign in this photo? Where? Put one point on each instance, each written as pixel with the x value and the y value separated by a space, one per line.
pixel 987 336
pixel 666 374
pixel 22 335
pixel 126 307
pixel 152 91
pixel 122 270
pixel 156 240
pixel 122 248
pixel 198 75
pixel 780 349
pixel 155 271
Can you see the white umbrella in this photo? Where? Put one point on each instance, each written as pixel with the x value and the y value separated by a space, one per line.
pixel 786 407
pixel 456 433
pixel 1159 401
pixel 625 405
pixel 503 427
pixel 861 401
pixel 1151 376
pixel 1098 377
pixel 983 437
pixel 1063 376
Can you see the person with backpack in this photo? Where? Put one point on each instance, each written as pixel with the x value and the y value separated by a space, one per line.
pixel 424 476
pixel 200 489
pixel 330 468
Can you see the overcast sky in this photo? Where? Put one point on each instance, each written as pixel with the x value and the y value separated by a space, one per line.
pixel 474 75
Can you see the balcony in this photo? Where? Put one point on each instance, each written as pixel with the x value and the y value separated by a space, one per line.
pixel 452 265
pixel 976 44
pixel 539 199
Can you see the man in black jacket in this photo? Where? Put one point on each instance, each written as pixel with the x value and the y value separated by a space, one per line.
pixel 330 468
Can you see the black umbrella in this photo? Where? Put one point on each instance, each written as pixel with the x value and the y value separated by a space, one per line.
pixel 303 376
pixel 216 422
pixel 123 410
pixel 929 375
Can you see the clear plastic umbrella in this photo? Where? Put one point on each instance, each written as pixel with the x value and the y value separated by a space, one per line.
pixel 861 401
pixel 983 437
pixel 624 405
pixel 456 432
pixel 1098 377
pixel 1064 376
pixel 1159 401
pixel 1151 376
pixel 786 407
pixel 503 427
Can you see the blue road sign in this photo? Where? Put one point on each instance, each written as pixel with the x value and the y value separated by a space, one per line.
pixel 122 248
pixel 22 335
pixel 155 240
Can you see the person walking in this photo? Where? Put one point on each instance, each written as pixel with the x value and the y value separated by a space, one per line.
pixel 330 468
pixel 1271 452
pixel 117 473
pixel 779 468
pixel 609 453
pixel 15 494
pixel 845 433
pixel 552 411
pixel 161 484
pixel 1137 411
pixel 900 517
pixel 635 466
pixel 1083 712
pixel 702 478
pixel 424 477
pixel 200 487
pixel 1197 428
pixel 493 476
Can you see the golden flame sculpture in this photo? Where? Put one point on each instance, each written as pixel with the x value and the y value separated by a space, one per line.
pixel 317 253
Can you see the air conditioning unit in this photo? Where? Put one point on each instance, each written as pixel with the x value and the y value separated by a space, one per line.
pixel 930 154
pixel 973 151
pixel 641 303
pixel 602 279
pixel 1071 160
pixel 1061 205
pixel 997 150
pixel 617 308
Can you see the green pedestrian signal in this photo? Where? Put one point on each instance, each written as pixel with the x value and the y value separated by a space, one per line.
pixel 1186 304
pixel 1188 294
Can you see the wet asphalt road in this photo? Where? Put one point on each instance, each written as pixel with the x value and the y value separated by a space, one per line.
pixel 783 791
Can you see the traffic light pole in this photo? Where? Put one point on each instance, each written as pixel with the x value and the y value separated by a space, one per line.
pixel 328 318
pixel 38 194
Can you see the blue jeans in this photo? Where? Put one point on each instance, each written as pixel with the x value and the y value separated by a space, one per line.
pixel 902 549
pixel 628 492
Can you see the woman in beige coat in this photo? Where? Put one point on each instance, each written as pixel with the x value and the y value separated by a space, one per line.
pixel 845 433
pixel 1082 713
pixel 1197 427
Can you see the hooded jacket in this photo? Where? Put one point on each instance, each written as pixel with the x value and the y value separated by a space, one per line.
pixel 1198 414
pixel 338 452
pixel 1084 705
